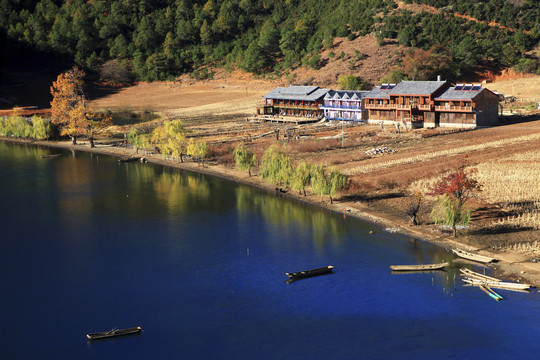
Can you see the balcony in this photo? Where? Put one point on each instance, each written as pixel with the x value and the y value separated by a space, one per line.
pixel 449 108
pixel 341 107
pixel 299 107
pixel 381 106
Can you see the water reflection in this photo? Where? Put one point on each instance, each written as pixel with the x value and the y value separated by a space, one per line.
pixel 289 217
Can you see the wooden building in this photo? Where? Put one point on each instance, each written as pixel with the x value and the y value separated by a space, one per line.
pixel 465 106
pixel 431 104
pixel 294 101
pixel 344 105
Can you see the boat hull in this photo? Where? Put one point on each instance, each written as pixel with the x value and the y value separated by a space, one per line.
pixel 473 257
pixel 114 333
pixel 420 267
pixel 310 273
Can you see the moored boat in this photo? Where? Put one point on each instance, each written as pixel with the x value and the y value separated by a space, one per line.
pixel 113 333
pixel 497 284
pixel 491 293
pixel 50 156
pixel 475 275
pixel 309 273
pixel 474 257
pixel 419 267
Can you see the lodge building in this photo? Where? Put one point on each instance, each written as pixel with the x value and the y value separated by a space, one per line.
pixel 294 101
pixel 411 103
pixel 432 104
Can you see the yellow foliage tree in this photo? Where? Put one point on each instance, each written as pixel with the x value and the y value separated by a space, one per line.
pixel 70 109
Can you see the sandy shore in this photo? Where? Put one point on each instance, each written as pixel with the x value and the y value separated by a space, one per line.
pixel 510 266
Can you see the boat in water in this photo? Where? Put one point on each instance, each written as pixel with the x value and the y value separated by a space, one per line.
pixel 420 267
pixel 113 333
pixel 309 273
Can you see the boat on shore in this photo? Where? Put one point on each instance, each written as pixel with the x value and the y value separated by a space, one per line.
pixel 475 275
pixel 114 333
pixel 475 257
pixel 497 284
pixel 309 273
pixel 420 267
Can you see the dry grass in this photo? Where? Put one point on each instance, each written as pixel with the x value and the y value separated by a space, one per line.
pixel 511 183
pixel 439 154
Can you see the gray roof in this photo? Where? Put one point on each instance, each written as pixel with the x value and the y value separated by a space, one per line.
pixel 310 93
pixel 453 94
pixel 417 87
pixel 350 93
pixel 377 93
pixel 406 88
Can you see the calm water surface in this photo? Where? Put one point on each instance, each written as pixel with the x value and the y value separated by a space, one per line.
pixel 88 244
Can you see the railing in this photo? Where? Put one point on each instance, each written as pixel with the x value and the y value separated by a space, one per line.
pixel 454 108
pixel 403 107
pixel 424 107
pixel 341 106
pixel 380 106
pixel 308 107
pixel 341 119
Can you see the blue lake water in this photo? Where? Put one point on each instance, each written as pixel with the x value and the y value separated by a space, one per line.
pixel 88 244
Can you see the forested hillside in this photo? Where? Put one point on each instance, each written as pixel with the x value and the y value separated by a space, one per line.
pixel 161 39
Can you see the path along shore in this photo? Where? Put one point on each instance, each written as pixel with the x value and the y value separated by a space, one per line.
pixel 510 266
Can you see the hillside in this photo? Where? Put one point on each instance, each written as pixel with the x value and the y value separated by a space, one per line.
pixel 163 40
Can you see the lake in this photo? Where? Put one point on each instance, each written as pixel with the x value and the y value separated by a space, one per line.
pixel 89 244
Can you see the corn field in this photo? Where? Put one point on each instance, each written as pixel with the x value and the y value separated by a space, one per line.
pixel 443 153
pixel 512 183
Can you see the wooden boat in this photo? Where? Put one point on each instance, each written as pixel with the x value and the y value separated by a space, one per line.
pixel 309 273
pixel 475 275
pixel 491 293
pixel 113 333
pixel 474 257
pixel 497 284
pixel 50 156
pixel 420 267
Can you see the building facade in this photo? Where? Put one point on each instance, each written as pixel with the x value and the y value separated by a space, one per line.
pixel 431 104
pixel 294 101
pixel 343 105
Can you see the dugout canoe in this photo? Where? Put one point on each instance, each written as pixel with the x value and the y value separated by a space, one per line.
pixel 309 273
pixel 114 333
pixel 419 267
pixel 475 275
pixel 475 257
pixel 497 284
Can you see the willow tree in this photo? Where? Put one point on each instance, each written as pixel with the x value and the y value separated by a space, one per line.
pixel 70 109
pixel 170 139
pixel 197 150
pixel 276 166
pixel 244 159
pixel 301 177
pixel 327 183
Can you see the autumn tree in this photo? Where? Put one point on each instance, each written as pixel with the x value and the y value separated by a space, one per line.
pixel 454 190
pixel 170 139
pixel 197 149
pixel 70 109
pixel 244 158
pixel 276 165
pixel 301 177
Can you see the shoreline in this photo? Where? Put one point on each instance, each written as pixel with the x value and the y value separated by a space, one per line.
pixel 510 266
